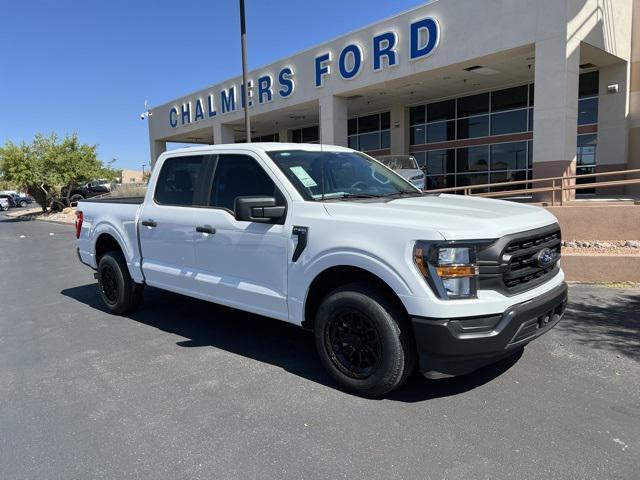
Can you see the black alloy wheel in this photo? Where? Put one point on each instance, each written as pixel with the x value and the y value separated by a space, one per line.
pixel 109 285
pixel 354 343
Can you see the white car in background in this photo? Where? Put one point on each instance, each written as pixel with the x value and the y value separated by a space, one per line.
pixel 4 204
pixel 405 166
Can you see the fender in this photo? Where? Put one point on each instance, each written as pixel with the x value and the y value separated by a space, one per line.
pixel 307 273
pixel 130 251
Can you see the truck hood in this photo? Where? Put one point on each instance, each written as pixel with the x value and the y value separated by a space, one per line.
pixel 455 217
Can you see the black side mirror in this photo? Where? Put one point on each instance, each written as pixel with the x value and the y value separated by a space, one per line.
pixel 258 209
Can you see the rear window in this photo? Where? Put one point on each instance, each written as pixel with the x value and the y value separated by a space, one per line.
pixel 177 181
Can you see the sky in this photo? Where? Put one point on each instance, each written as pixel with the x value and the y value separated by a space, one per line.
pixel 87 66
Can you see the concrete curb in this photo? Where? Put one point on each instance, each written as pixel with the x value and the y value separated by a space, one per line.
pixel 29 218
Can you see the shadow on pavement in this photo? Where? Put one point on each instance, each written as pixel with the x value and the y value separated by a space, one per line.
pixel 611 323
pixel 266 340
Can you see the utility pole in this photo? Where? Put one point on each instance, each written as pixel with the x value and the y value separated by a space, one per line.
pixel 245 90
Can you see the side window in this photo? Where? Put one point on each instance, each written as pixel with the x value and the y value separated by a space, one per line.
pixel 239 176
pixel 177 180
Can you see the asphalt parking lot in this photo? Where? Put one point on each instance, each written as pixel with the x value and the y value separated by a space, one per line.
pixel 185 389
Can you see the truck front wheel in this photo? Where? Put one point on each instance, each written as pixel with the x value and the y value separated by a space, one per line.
pixel 119 292
pixel 364 340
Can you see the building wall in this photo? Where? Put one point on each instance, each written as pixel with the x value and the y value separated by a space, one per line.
pixel 557 30
pixel 634 98
pixel 131 176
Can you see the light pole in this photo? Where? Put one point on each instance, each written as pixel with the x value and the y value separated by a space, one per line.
pixel 245 90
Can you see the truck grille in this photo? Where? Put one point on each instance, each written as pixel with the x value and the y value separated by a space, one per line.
pixel 523 260
pixel 513 263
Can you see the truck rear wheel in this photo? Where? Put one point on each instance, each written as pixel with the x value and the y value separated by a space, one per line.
pixel 119 292
pixel 364 340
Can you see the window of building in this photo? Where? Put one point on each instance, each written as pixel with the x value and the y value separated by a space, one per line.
pixel 370 132
pixel 177 180
pixel 238 176
pixel 589 84
pixel 473 105
pixel 271 137
pixel 306 135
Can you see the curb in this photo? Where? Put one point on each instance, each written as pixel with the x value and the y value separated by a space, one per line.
pixel 28 218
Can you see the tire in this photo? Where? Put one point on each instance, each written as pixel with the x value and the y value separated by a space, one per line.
pixel 364 340
pixel 120 294
pixel 74 199
pixel 23 204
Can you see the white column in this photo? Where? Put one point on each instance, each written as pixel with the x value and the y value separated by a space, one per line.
pixel 613 110
pixel 556 110
pixel 333 120
pixel 158 147
pixel 284 135
pixel 223 133
pixel 399 130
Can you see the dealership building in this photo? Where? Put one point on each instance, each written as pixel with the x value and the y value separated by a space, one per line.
pixel 478 91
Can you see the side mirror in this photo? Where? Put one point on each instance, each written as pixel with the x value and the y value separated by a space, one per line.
pixel 258 209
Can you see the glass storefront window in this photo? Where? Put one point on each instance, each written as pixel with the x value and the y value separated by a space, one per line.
pixel 441 131
pixel 441 161
pixel 417 114
pixel 473 105
pixel 589 84
pixel 586 154
pixel 509 156
pixel 473 127
pixel 473 158
pixel 466 179
pixel 306 135
pixel 509 98
pixel 371 132
pixel 508 176
pixel 438 111
pixel 418 135
pixel 514 121
pixel 588 111
pixel 369 141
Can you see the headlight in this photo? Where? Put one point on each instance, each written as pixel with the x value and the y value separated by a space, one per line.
pixel 451 271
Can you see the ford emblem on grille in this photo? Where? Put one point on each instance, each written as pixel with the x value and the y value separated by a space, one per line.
pixel 545 257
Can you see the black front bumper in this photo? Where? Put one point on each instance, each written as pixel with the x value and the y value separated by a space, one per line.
pixel 455 346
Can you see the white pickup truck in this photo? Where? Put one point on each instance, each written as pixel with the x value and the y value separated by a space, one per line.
pixel 388 278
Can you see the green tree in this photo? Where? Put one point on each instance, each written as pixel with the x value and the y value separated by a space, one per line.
pixel 46 164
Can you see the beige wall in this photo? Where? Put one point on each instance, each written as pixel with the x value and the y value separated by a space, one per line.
pixel 131 176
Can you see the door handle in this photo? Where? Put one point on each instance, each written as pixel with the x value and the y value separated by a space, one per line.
pixel 149 223
pixel 205 229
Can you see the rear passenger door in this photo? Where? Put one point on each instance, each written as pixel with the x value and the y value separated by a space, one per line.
pixel 166 224
pixel 241 264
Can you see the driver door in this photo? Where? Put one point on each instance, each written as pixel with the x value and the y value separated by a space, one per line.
pixel 239 263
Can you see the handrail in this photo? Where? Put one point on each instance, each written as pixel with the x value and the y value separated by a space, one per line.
pixel 553 188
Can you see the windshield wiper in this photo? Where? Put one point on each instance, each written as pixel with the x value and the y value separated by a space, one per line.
pixel 401 193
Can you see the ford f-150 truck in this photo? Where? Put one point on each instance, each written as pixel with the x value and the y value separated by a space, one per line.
pixel 388 278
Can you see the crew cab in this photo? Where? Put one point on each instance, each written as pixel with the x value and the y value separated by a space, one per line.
pixel 388 278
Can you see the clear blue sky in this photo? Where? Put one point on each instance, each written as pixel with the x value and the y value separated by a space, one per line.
pixel 88 66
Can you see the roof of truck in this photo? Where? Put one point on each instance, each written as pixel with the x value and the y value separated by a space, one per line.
pixel 259 147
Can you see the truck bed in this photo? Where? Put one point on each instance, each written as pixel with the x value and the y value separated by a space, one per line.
pixel 109 199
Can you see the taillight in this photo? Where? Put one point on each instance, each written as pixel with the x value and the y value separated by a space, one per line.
pixel 79 219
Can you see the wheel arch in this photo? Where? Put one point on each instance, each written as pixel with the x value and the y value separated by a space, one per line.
pixel 338 276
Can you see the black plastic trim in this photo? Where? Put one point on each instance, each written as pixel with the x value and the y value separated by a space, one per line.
pixel 302 233
pixel 460 345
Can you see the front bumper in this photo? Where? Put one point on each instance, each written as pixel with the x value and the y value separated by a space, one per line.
pixel 455 346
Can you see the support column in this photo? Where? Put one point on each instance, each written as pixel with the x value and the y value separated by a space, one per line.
pixel 613 131
pixel 556 111
pixel 223 133
pixel 158 147
pixel 333 120
pixel 634 100
pixel 399 130
pixel 285 136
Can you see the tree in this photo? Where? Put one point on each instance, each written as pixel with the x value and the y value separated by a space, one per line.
pixel 48 163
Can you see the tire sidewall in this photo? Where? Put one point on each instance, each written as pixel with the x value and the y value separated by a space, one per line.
pixel 110 260
pixel 389 370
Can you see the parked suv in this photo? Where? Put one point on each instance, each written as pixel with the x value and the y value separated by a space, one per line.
pixel 388 278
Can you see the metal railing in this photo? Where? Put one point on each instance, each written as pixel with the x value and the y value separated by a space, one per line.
pixel 558 184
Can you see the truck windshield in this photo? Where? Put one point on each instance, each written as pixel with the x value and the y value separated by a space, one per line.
pixel 339 175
